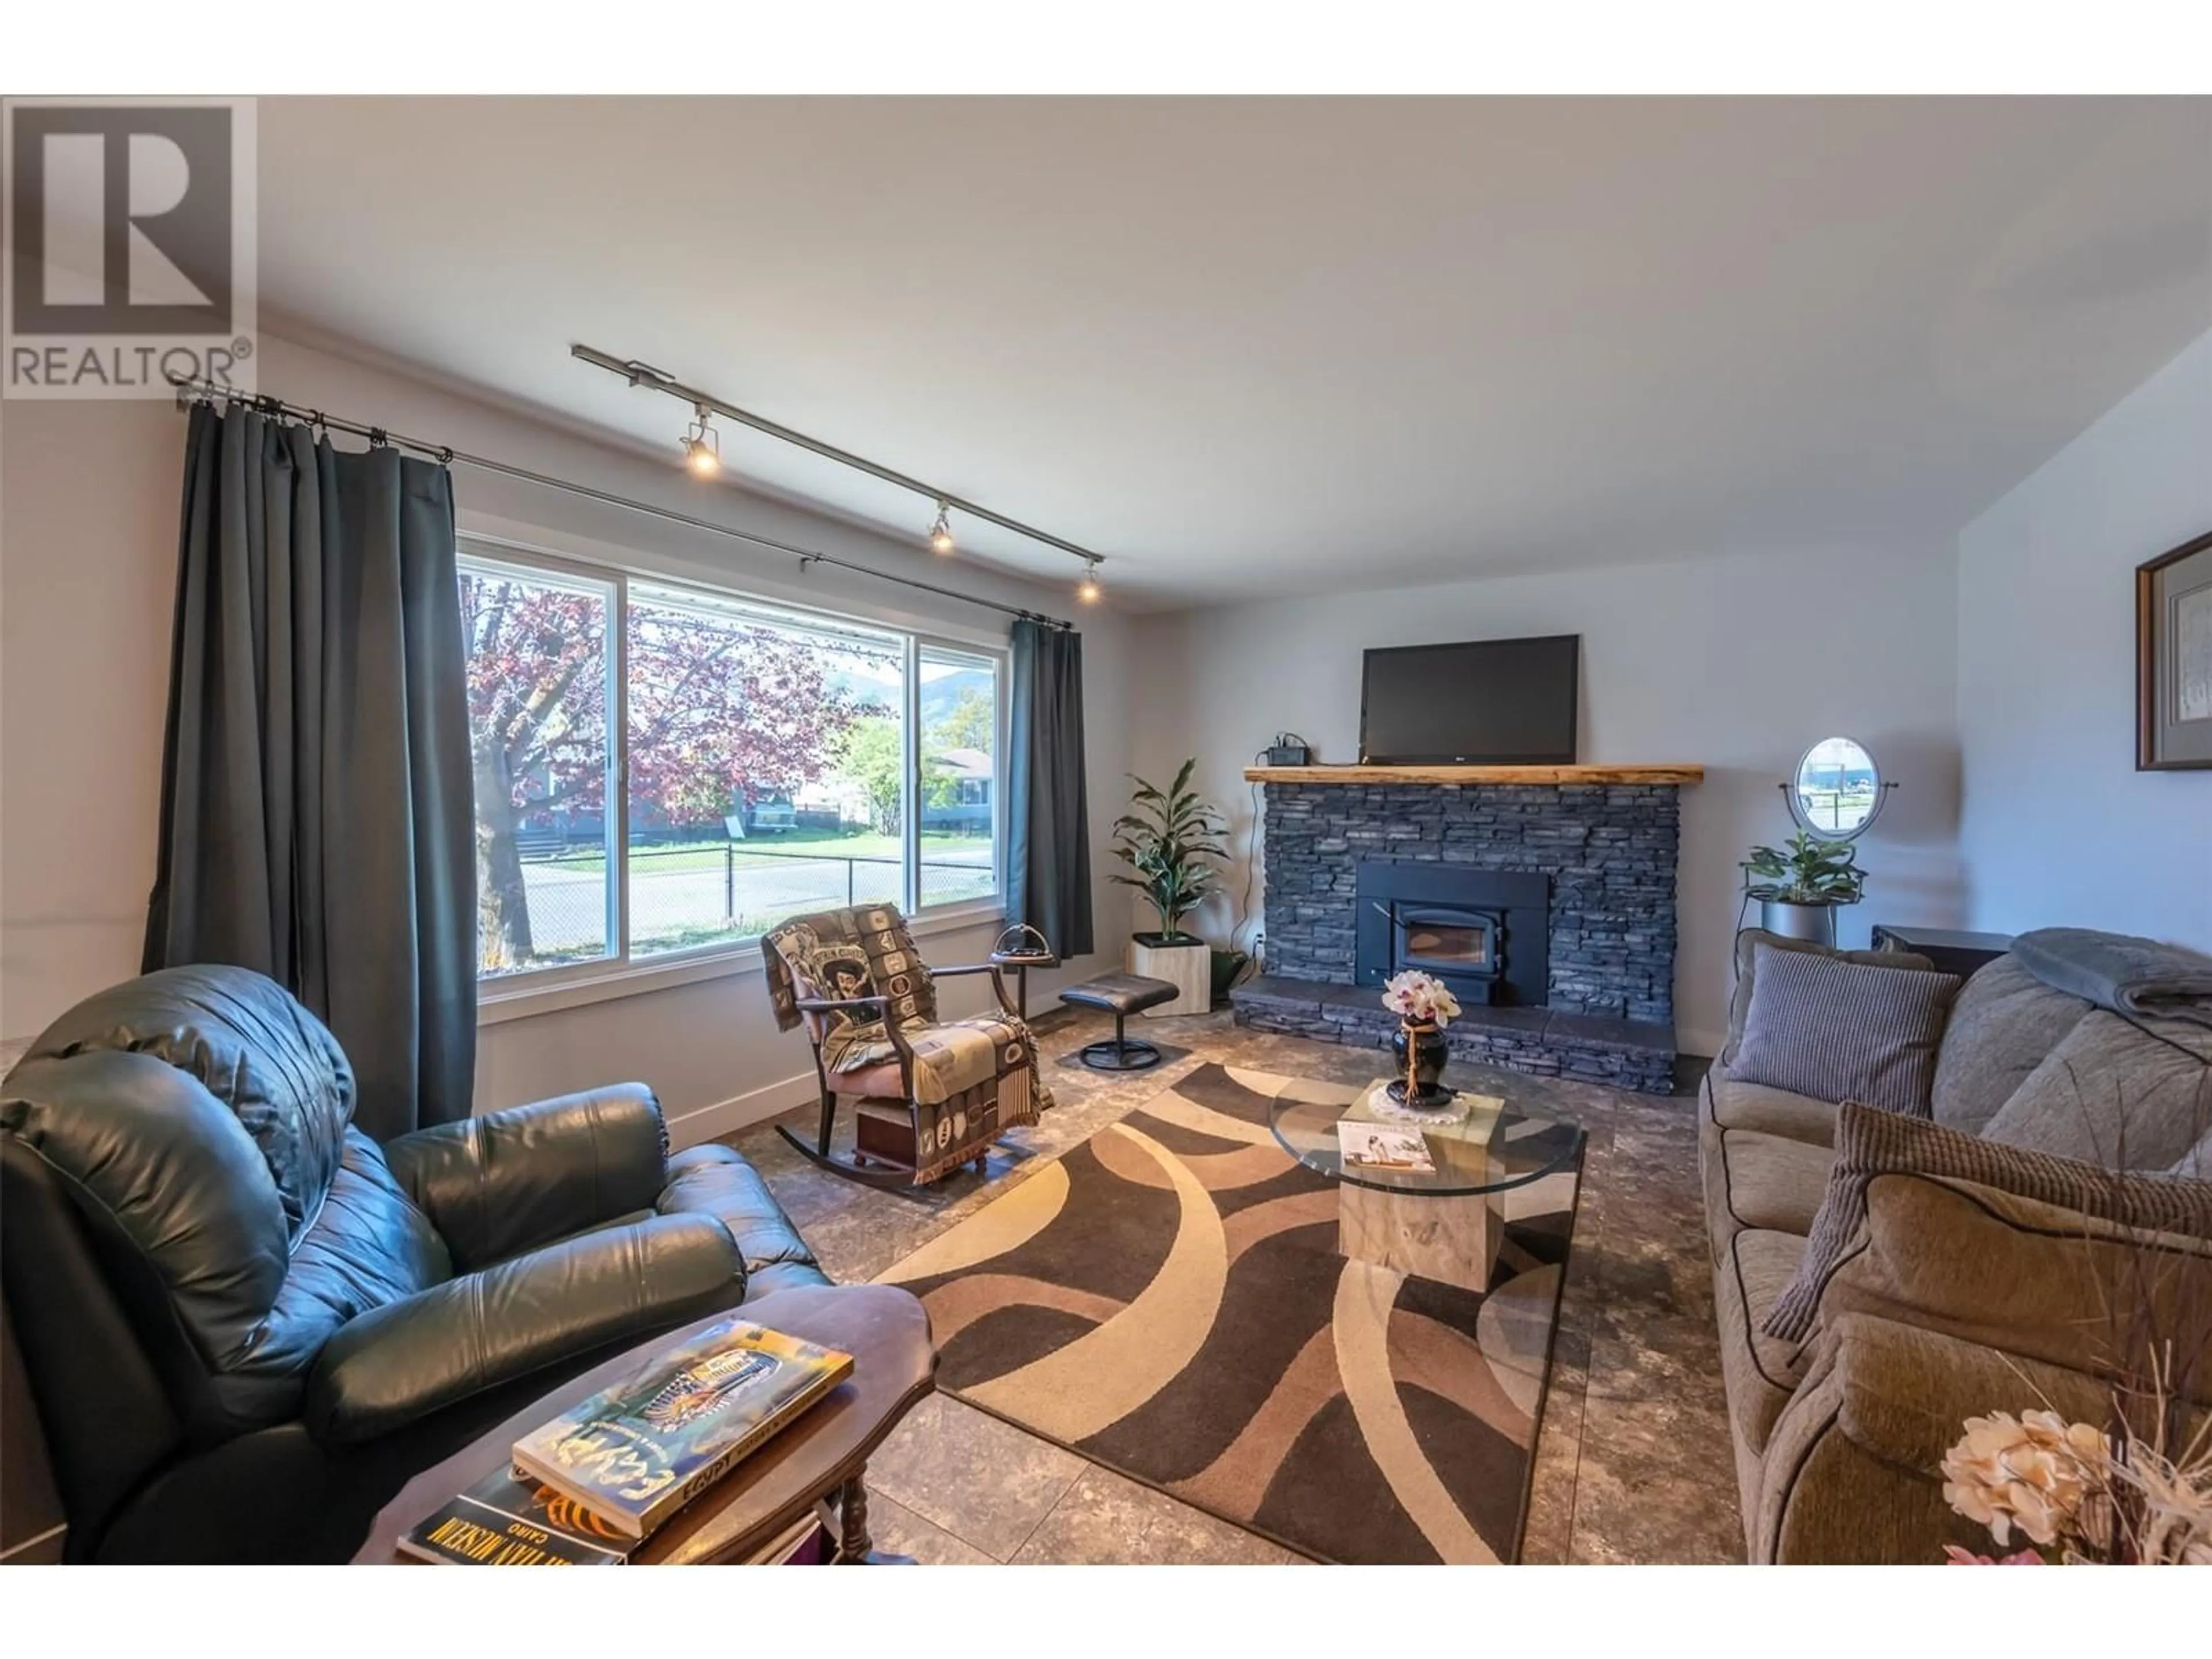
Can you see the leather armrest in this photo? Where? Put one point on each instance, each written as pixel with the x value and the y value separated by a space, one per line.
pixel 510 1180
pixel 396 1364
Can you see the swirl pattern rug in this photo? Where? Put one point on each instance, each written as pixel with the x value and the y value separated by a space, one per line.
pixel 1167 1300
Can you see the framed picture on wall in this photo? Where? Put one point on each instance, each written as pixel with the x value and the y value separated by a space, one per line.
pixel 2173 658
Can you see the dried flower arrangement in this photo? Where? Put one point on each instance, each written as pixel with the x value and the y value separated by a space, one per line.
pixel 1419 999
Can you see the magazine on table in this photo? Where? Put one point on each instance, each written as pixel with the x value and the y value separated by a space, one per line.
pixel 1385 1148
pixel 634 1452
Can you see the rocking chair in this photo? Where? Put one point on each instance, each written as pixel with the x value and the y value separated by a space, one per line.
pixel 928 1095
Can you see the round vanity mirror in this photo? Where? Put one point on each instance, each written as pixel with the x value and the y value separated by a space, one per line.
pixel 1836 790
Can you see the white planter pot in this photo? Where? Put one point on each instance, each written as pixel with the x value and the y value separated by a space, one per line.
pixel 1188 968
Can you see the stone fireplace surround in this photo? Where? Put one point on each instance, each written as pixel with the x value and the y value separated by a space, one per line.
pixel 1606 838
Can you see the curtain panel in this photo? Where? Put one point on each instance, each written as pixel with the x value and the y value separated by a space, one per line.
pixel 1048 808
pixel 317 819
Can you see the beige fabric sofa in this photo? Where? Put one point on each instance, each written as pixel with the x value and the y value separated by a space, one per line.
pixel 1961 1299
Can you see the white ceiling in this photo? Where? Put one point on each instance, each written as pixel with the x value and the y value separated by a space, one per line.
pixel 1288 345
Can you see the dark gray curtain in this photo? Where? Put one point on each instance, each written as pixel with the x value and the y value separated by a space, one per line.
pixel 316 821
pixel 1048 806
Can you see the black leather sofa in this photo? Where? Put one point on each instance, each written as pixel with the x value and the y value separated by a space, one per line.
pixel 245 1324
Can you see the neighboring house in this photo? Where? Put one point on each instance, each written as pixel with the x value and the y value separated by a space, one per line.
pixel 967 811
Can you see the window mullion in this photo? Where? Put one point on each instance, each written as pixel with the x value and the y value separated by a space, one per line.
pixel 911 816
pixel 618 890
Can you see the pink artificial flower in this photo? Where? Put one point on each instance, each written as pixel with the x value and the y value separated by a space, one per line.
pixel 1953 1556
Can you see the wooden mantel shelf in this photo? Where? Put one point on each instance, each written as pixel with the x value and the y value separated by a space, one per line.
pixel 1474 774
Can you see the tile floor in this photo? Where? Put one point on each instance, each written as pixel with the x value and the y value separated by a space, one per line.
pixel 1633 1462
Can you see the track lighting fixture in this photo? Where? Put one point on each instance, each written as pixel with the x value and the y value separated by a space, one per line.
pixel 702 454
pixel 702 446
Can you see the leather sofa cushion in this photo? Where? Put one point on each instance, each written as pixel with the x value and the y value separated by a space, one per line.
pixel 1760 1373
pixel 251 1045
pixel 712 1180
pixel 506 1181
pixel 1735 1104
pixel 160 1172
pixel 367 1246
pixel 2002 1025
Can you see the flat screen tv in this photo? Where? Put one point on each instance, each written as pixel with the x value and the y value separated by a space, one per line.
pixel 1480 703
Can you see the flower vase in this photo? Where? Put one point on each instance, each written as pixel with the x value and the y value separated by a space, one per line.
pixel 1421 1052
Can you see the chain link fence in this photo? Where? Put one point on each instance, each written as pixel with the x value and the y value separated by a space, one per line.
pixel 685 895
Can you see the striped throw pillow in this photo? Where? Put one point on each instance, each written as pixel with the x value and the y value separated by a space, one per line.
pixel 1845 1031
pixel 1871 1142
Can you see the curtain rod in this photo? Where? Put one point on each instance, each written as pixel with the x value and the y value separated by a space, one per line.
pixel 645 374
pixel 190 389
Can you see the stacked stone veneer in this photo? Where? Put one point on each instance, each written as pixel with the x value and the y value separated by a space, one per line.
pixel 1610 852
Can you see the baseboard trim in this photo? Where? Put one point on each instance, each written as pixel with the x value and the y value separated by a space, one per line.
pixel 723 1117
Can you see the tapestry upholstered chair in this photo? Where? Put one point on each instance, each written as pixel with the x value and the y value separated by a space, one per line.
pixel 929 1095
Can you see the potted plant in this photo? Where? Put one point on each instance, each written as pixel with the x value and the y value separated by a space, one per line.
pixel 1166 838
pixel 1799 887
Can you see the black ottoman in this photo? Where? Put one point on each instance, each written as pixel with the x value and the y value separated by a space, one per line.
pixel 1120 995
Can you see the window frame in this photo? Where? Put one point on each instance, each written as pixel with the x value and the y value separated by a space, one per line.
pixel 620 972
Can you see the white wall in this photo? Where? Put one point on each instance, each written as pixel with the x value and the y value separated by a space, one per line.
pixel 2058 827
pixel 89 510
pixel 1738 664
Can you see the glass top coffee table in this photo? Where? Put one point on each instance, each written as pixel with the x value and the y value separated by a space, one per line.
pixel 1443 1222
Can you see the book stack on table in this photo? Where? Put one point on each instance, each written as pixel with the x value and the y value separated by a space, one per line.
pixel 589 1487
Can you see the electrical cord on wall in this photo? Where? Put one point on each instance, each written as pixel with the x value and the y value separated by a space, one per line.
pixel 1258 948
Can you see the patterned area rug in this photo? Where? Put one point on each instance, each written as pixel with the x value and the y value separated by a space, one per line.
pixel 1167 1300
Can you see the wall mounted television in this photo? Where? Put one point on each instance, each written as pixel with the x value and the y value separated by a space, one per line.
pixel 1479 702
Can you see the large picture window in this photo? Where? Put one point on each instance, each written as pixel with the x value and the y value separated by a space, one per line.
pixel 765 762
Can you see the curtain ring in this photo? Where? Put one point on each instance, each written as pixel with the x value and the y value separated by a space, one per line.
pixel 378 438
pixel 445 456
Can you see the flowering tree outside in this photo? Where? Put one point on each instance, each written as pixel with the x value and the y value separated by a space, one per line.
pixel 722 712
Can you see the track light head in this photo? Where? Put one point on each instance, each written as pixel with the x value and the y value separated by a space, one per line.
pixel 702 446
pixel 1088 590
pixel 940 533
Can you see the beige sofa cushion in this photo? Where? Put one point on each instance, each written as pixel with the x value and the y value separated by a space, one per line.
pixel 1854 1466
pixel 2196 1162
pixel 1871 1144
pixel 2121 1094
pixel 1759 1373
pixel 2002 1025
pixel 1733 1103
pixel 2029 1278
pixel 1747 943
pixel 1774 1182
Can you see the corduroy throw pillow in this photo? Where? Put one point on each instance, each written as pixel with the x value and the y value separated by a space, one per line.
pixel 1845 1031
pixel 1871 1142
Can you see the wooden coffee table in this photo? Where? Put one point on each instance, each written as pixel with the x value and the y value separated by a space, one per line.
pixel 822 1454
